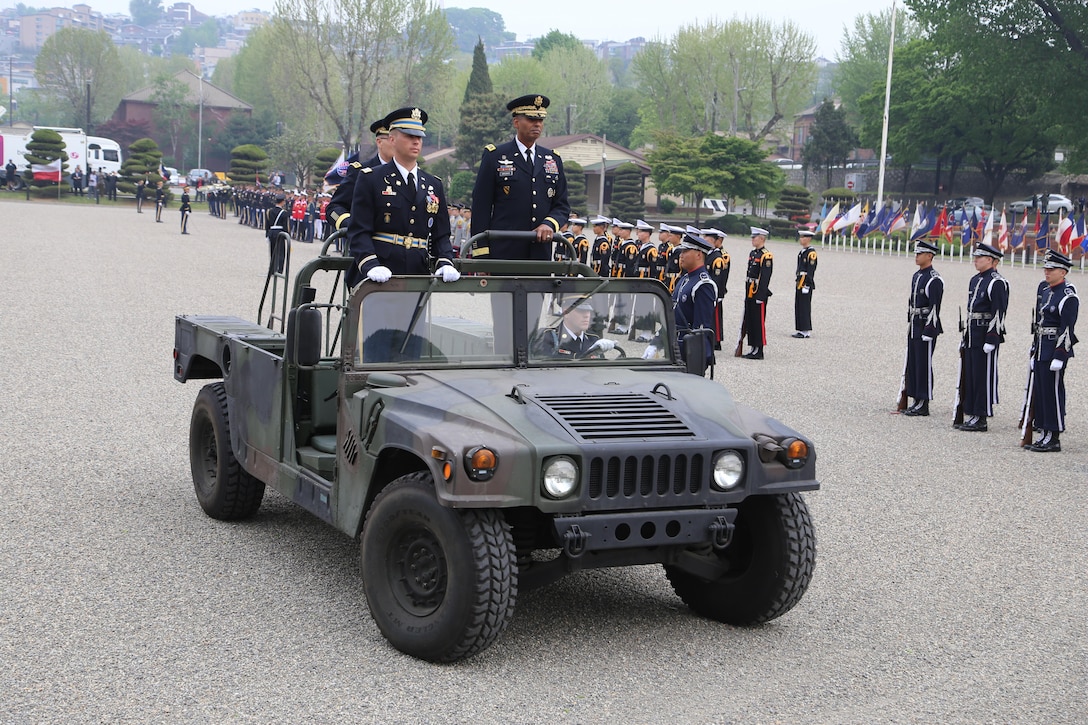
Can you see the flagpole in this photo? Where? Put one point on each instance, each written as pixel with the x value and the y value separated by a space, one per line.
pixel 887 105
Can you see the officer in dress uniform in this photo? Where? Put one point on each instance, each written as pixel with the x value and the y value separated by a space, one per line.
pixel 758 280
pixel 806 282
pixel 344 175
pixel 520 186
pixel 572 339
pixel 924 316
pixel 671 255
pixel 717 265
pixel 186 210
pixel 694 294
pixel 643 323
pixel 1057 307
pixel 600 258
pixel 579 239
pixel 141 192
pixel 160 201
pixel 398 217
pixel 987 303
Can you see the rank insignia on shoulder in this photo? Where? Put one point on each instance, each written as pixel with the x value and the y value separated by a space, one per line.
pixel 367 170
pixel 355 165
pixel 489 147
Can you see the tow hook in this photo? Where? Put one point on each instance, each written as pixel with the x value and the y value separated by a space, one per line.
pixel 574 541
pixel 721 533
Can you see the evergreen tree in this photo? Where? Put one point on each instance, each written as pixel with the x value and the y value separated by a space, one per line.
pixel 794 209
pixel 627 202
pixel 323 161
pixel 142 162
pixel 831 139
pixel 479 81
pixel 45 147
pixel 576 187
pixel 248 165
pixel 461 187
pixel 484 117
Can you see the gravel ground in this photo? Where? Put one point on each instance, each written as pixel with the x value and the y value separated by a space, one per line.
pixel 950 583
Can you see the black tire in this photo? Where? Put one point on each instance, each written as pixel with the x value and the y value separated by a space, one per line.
pixel 770 563
pixel 440 583
pixel 225 491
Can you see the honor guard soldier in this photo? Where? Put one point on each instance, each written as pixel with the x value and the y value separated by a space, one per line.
pixel 664 248
pixel 600 258
pixel 520 186
pixel 141 192
pixel 987 303
pixel 624 264
pixel 1056 315
pixel 579 239
pixel 756 294
pixel 694 295
pixel 344 175
pixel 717 265
pixel 806 282
pixel 160 201
pixel 278 219
pixel 399 217
pixel 648 268
pixel 186 210
pixel 924 318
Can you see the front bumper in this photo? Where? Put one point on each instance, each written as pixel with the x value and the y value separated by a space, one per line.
pixel 577 535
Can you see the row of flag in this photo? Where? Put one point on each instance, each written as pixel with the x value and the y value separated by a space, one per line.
pixel 862 221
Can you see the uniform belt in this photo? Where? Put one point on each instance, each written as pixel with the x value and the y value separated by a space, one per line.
pixel 1047 331
pixel 980 315
pixel 916 311
pixel 409 241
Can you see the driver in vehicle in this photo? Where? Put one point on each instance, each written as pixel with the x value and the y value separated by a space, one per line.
pixel 571 339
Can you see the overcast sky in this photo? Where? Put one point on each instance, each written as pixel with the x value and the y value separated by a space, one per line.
pixel 606 20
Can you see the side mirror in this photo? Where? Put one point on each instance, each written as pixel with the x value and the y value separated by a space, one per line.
pixel 694 347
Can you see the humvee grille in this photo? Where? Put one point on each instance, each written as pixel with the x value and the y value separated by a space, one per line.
pixel 616 417
pixel 645 477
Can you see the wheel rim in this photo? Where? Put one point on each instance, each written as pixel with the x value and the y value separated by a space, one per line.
pixel 208 458
pixel 417 571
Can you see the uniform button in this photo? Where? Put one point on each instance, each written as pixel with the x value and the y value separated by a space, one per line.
pixel 533 219
pixel 413 208
pixel 534 192
pixel 411 221
pixel 534 206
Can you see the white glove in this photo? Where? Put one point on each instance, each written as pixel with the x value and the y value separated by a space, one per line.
pixel 602 345
pixel 988 348
pixel 1031 364
pixel 1056 365
pixel 804 290
pixel 448 273
pixel 649 353
pixel 379 274
pixel 927 338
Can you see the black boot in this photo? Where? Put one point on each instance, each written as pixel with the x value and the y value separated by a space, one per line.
pixel 920 407
pixel 1049 443
pixel 755 354
pixel 974 423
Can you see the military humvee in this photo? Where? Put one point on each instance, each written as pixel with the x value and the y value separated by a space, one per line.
pixel 446 425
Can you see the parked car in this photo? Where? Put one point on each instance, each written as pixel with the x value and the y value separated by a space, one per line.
pixel 200 175
pixel 1056 203
pixel 966 202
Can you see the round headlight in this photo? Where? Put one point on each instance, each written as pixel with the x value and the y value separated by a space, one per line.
pixel 728 470
pixel 560 478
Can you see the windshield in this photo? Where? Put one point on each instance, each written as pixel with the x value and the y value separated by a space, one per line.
pixel 463 328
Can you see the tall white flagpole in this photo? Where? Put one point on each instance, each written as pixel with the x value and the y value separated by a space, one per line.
pixel 887 104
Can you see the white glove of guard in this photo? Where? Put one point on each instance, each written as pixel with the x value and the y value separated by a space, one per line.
pixel 649 353
pixel 988 348
pixel 1056 365
pixel 1031 364
pixel 379 274
pixel 804 290
pixel 602 345
pixel 448 273
pixel 927 338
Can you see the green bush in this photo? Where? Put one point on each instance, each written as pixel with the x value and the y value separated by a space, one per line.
pixel 667 206
pixel 839 194
pixel 576 186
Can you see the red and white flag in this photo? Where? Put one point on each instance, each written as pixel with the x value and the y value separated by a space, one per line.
pixel 47 172
pixel 1066 232
pixel 1003 232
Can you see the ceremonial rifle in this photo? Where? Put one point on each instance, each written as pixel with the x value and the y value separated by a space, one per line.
pixel 958 419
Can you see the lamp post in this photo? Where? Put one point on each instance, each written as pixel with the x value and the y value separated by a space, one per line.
pixel 200 126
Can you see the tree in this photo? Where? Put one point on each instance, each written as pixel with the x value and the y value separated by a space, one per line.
pixel 141 162
pixel 863 55
pixel 341 54
pixel 295 150
pixel 575 80
pixel 81 67
pixel 627 200
pixel 461 187
pixel 471 25
pixel 576 187
pixel 145 12
pixel 323 161
pixel 173 114
pixel 556 40
pixel 622 116
pixel 708 74
pixel 484 118
pixel 711 165
pixel 248 165
pixel 45 147
pixel 830 139
pixel 794 208
pixel 205 35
